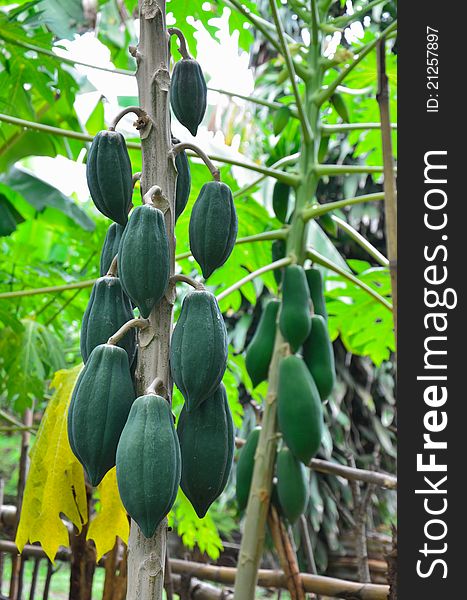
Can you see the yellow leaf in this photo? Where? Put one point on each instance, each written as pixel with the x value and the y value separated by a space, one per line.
pixel 55 481
pixel 111 520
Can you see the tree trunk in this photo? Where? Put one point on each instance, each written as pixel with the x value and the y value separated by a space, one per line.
pixel 146 557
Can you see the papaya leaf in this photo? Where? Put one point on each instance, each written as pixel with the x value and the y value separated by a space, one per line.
pixel 111 519
pixel 55 484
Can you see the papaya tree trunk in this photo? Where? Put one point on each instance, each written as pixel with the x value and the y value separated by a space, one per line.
pixel 146 556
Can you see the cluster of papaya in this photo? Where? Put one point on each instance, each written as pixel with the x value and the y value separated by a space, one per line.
pixel 107 424
pixel 305 379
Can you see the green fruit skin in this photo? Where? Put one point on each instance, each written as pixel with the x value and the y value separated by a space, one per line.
pixel 292 485
pixel 110 247
pixel 143 258
pixel 108 172
pixel 183 185
pixel 277 252
pixel 99 408
pixel 199 348
pixel 206 436
pixel 280 200
pixel 245 466
pixel 188 94
pixel 259 351
pixel 148 462
pixel 299 409
pixel 341 107
pixel 108 309
pixel 319 356
pixel 315 285
pixel 213 226
pixel 294 317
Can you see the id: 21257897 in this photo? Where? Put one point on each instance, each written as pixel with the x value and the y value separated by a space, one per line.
pixel 432 60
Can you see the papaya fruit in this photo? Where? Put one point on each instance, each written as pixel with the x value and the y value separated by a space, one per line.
pixel 245 466
pixel 107 310
pixel 299 409
pixel 206 437
pixel 292 485
pixel 277 252
pixel 110 247
pixel 260 349
pixel 328 224
pixel 188 93
pixel 294 317
pixel 341 107
pixel 319 356
pixel 143 258
pixel 199 348
pixel 315 285
pixel 183 185
pixel 99 407
pixel 280 200
pixel 148 462
pixel 213 226
pixel 108 173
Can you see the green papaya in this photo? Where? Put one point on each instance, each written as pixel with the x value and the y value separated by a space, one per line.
pixel 280 200
pixel 260 349
pixel 99 408
pixel 206 436
pixel 108 309
pixel 183 185
pixel 108 173
pixel 277 252
pixel 245 466
pixel 299 409
pixel 328 224
pixel 188 93
pixel 294 317
pixel 319 356
pixel 199 348
pixel 143 258
pixel 341 107
pixel 315 285
pixel 292 485
pixel 148 462
pixel 110 247
pixel 213 226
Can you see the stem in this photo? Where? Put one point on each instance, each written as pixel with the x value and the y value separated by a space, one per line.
pixel 125 328
pixel 321 209
pixel 291 69
pixel 321 260
pixel 153 192
pixel 288 178
pixel 281 162
pixel 361 241
pixel 326 169
pixel 47 290
pixel 113 269
pixel 278 264
pixel 347 19
pixel 62 59
pixel 344 127
pixel 329 91
pixel 216 175
pixel 183 49
pixel 254 100
pixel 136 177
pixel 157 387
pixel 390 190
pixel 139 124
pixel 185 279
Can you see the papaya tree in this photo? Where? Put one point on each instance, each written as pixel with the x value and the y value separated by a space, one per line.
pixel 120 411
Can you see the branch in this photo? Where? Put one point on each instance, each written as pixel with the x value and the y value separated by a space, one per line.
pixel 346 169
pixel 345 20
pixel 344 127
pixel 286 160
pixel 47 290
pixel 216 175
pixel 259 101
pixel 321 260
pixel 307 134
pixel 329 91
pixel 183 49
pixel 361 241
pixel 124 329
pixel 283 262
pixel 317 210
